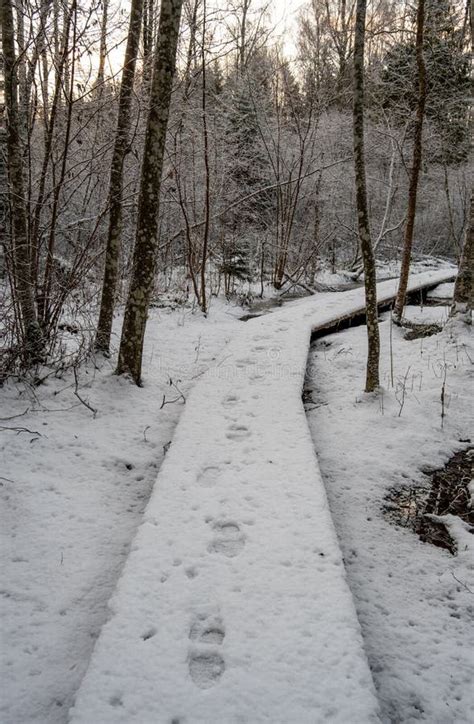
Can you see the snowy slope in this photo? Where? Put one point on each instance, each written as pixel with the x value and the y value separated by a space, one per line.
pixel 414 600
pixel 233 605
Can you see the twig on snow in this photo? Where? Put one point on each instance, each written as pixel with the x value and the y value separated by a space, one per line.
pixel 81 399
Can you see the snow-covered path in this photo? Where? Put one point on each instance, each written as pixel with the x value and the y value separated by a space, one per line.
pixel 233 605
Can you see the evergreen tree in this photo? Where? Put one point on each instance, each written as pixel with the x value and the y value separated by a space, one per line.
pixel 448 84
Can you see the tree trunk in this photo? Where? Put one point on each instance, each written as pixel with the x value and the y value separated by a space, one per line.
pixel 32 342
pixel 144 258
pixel 112 255
pixel 44 297
pixel 148 26
pixel 207 202
pixel 416 166
pixel 463 298
pixel 372 377
pixel 49 130
pixel 242 33
pixel 103 47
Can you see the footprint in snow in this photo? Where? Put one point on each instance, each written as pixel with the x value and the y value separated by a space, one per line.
pixel 237 432
pixel 208 476
pixel 207 630
pixel 229 539
pixel 230 400
pixel 244 362
pixel 206 665
pixel 206 669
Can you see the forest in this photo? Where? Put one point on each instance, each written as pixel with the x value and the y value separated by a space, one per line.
pixel 236 293
pixel 257 174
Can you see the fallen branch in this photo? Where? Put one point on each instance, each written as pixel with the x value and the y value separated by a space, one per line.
pixel 12 417
pixel 81 399
pixel 19 430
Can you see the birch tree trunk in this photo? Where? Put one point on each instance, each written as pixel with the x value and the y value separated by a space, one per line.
pixel 31 342
pixel 416 166
pixel 144 258
pixel 372 377
pixel 112 255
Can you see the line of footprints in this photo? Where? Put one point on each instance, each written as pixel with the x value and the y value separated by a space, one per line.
pixel 206 663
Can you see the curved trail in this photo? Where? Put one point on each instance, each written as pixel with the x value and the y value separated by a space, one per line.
pixel 233 605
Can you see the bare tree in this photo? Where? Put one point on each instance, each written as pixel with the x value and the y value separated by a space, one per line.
pixel 416 165
pixel 102 46
pixel 21 258
pixel 372 377
pixel 144 258
pixel 247 30
pixel 340 18
pixel 112 254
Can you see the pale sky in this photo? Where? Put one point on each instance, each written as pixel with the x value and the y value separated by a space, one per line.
pixel 283 18
pixel 284 14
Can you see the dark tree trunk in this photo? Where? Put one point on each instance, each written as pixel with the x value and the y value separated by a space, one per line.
pixel 463 298
pixel 416 166
pixel 207 202
pixel 144 258
pixel 32 343
pixel 50 127
pixel 372 378
pixel 112 255
pixel 148 27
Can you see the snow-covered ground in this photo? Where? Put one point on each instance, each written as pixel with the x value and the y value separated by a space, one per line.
pixel 233 602
pixel 415 602
pixel 442 291
pixel 72 489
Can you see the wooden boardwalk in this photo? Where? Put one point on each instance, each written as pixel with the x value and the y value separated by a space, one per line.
pixel 233 605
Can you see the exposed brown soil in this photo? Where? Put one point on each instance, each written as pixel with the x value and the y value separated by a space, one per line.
pixel 446 492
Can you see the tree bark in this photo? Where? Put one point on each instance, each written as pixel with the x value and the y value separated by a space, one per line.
pixel 148 26
pixel 32 342
pixel 372 376
pixel 207 202
pixel 112 255
pixel 144 258
pixel 416 166
pixel 463 297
